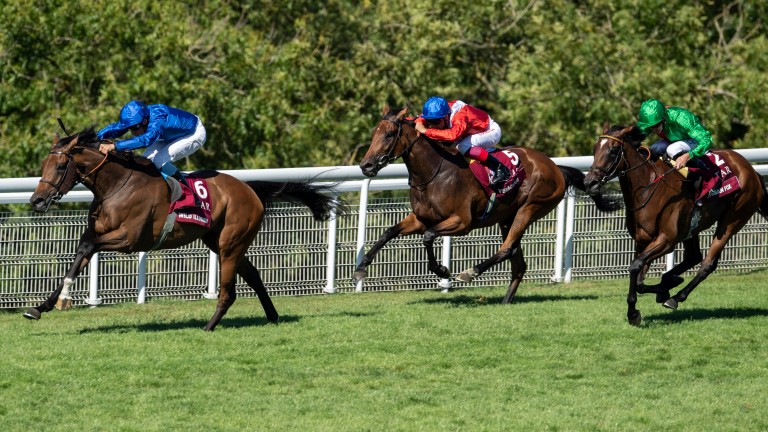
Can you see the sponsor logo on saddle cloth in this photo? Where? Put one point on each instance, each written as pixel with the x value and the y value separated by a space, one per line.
pixel 718 180
pixel 485 175
pixel 185 209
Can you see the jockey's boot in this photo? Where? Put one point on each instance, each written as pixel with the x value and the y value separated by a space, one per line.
pixel 183 180
pixel 502 173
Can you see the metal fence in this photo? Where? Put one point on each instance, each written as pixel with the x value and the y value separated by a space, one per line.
pixel 298 256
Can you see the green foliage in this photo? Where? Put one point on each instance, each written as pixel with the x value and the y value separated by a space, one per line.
pixel 301 83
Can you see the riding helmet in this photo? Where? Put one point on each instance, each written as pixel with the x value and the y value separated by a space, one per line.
pixel 651 113
pixel 435 108
pixel 133 113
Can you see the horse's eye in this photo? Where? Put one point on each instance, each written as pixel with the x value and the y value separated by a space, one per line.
pixel 61 167
pixel 389 134
pixel 615 150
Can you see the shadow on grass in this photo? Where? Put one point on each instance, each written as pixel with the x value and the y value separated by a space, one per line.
pixel 705 314
pixel 234 322
pixel 467 300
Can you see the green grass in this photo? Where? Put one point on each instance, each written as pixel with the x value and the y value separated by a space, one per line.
pixel 562 358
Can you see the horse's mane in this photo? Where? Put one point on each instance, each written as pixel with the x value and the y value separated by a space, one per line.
pixel 635 136
pixel 447 151
pixel 86 138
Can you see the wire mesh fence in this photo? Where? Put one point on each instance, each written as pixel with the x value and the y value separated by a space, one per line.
pixel 291 252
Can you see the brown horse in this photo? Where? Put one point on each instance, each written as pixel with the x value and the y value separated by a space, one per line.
pixel 131 202
pixel 447 200
pixel 660 209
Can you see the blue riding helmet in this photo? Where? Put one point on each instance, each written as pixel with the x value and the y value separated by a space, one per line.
pixel 435 108
pixel 132 114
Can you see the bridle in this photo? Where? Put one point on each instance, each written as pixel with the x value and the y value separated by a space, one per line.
pixel 406 150
pixel 388 158
pixel 82 177
pixel 621 156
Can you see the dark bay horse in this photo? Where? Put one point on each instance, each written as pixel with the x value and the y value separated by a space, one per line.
pixel 131 202
pixel 659 216
pixel 447 200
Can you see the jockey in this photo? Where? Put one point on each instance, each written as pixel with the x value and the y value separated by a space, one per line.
pixel 472 127
pixel 683 137
pixel 168 133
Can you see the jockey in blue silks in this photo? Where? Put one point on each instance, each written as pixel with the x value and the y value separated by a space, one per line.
pixel 168 134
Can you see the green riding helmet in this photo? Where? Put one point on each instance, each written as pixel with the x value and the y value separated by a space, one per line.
pixel 651 113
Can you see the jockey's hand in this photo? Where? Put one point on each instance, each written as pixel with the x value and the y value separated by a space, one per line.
pixel 420 128
pixel 682 161
pixel 106 147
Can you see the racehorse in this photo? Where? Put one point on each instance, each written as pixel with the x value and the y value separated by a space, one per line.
pixel 447 200
pixel 130 208
pixel 660 211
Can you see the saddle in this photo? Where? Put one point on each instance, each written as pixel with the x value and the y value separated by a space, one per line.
pixel 484 175
pixel 714 178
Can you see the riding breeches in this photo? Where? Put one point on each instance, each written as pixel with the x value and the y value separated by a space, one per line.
pixel 487 139
pixel 672 149
pixel 162 152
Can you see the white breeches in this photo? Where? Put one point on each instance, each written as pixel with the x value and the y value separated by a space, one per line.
pixel 161 152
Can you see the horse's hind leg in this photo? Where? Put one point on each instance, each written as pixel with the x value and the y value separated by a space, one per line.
pixel 707 266
pixel 251 275
pixel 518 271
pixel 691 256
pixel 227 291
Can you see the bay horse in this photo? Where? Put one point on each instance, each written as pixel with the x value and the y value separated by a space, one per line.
pixel 660 210
pixel 447 200
pixel 131 202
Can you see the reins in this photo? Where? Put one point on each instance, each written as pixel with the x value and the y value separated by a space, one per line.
pixel 82 178
pixel 655 183
pixel 407 150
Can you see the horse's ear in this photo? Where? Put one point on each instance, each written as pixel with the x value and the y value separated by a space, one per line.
pixel 385 109
pixel 56 139
pixel 403 112
pixel 624 131
pixel 606 126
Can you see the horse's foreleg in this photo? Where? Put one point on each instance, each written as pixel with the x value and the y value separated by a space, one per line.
pixel 658 247
pixel 454 225
pixel 691 256
pixel 251 275
pixel 409 225
pixel 85 250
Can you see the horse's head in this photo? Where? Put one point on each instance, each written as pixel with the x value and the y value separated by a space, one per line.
pixel 610 155
pixel 60 171
pixel 387 141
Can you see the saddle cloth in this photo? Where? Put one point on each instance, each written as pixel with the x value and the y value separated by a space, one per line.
pixel 185 206
pixel 485 175
pixel 718 180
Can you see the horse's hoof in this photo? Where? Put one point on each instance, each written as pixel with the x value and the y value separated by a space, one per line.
pixel 671 304
pixel 32 314
pixel 662 297
pixel 443 272
pixel 635 319
pixel 464 277
pixel 359 275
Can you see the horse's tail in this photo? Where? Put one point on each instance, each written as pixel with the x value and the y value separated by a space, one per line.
pixel 322 200
pixel 574 177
